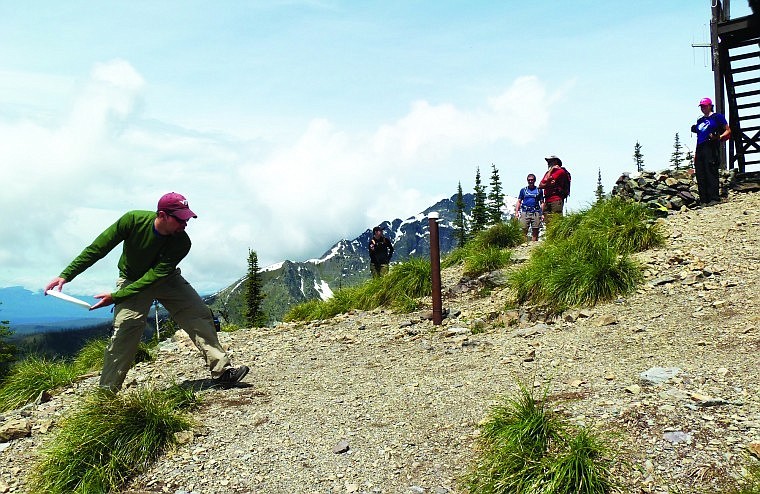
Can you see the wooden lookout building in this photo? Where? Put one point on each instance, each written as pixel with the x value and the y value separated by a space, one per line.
pixel 736 64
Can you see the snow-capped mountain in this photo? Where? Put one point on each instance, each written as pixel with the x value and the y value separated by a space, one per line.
pixel 346 263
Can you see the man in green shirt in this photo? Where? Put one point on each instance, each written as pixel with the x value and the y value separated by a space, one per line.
pixel 153 244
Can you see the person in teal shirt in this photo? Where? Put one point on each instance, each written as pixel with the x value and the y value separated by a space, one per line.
pixel 154 242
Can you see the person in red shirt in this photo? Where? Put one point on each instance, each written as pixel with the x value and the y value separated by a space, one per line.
pixel 556 186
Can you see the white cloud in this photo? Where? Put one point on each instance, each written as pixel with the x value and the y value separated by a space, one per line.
pixel 431 131
pixel 74 177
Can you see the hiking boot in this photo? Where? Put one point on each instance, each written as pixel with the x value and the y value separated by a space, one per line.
pixel 233 375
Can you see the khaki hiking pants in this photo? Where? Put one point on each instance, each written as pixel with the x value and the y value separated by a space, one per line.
pixel 552 210
pixel 130 317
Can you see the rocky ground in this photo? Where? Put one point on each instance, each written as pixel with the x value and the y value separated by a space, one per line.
pixel 373 402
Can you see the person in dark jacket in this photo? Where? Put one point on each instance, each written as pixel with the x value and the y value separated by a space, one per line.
pixel 153 243
pixel 380 253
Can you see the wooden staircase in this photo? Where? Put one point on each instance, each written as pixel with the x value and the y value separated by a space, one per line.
pixel 739 66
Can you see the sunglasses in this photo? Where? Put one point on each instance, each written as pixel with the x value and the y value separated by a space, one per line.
pixel 178 219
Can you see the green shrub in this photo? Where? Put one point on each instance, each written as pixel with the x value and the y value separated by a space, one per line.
pixel 584 465
pixel 563 227
pixel 457 256
pixel 486 260
pixel 111 438
pixel 31 376
pixel 411 278
pixel 484 245
pixel 503 235
pixel 629 226
pixel 144 353
pixel 305 311
pixel 229 327
pixel 512 443
pixel 399 289
pixel 525 448
pixel 90 357
pixel 581 270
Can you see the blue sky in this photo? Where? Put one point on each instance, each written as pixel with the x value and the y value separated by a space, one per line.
pixel 291 124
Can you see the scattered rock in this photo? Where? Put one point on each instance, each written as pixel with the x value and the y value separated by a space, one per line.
pixel 633 389
pixel 754 449
pixel 605 320
pixel 659 375
pixel 677 437
pixel 341 447
pixel 15 429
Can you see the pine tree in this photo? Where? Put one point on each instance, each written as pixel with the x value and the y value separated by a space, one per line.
pixel 495 197
pixel 7 349
pixel 460 226
pixel 677 157
pixel 638 158
pixel 599 188
pixel 479 211
pixel 254 316
pixel 689 159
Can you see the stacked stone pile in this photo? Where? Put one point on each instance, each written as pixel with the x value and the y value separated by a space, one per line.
pixel 667 189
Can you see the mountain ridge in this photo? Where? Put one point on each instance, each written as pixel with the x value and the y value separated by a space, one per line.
pixel 345 263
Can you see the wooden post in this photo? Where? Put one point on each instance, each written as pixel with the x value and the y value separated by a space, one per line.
pixel 435 268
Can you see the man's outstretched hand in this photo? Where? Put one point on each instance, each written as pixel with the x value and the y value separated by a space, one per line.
pixel 55 283
pixel 105 300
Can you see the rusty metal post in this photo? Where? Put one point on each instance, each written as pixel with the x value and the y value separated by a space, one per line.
pixel 435 268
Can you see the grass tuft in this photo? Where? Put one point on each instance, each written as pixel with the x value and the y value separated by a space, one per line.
pixel 584 466
pixel 90 357
pixel 629 226
pixel 581 270
pixel 487 251
pixel 110 439
pixel 502 235
pixel 525 448
pixel 400 290
pixel 486 260
pixel 31 376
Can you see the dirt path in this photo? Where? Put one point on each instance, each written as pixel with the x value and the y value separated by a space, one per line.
pixel 374 402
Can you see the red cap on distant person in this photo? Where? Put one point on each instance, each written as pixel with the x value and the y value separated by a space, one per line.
pixel 176 205
pixel 705 101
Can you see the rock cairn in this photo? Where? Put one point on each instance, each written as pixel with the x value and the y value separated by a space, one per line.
pixel 667 189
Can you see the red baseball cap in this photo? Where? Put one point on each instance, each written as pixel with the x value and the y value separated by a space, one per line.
pixel 705 101
pixel 176 205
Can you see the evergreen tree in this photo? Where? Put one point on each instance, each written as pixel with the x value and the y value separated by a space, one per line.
pixel 638 158
pixel 689 159
pixel 599 188
pixel 460 226
pixel 495 197
pixel 254 316
pixel 677 157
pixel 479 211
pixel 7 350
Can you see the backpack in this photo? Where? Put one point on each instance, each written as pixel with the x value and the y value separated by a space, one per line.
pixel 565 188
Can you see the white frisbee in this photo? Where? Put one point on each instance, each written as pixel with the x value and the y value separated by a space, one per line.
pixel 68 298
